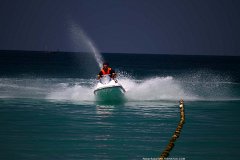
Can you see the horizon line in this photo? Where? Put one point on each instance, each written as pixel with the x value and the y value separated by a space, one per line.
pixel 170 53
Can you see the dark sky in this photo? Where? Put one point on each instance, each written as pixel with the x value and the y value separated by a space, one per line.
pixel 124 26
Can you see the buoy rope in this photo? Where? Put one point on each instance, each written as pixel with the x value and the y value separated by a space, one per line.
pixel 176 134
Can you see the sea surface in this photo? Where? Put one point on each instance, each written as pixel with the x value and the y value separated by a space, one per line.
pixel 48 110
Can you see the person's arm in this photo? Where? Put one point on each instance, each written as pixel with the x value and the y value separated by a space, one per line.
pixel 99 75
pixel 113 74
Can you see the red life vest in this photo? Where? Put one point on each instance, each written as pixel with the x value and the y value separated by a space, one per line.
pixel 106 72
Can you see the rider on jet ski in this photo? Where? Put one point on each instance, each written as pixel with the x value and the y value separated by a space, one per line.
pixel 107 70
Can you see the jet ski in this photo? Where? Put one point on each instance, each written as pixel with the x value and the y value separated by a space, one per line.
pixel 109 89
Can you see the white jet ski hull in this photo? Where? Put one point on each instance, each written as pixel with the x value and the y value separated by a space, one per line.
pixel 111 91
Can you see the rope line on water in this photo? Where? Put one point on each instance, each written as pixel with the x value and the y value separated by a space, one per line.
pixel 177 132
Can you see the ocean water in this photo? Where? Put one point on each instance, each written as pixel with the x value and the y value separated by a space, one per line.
pixel 48 109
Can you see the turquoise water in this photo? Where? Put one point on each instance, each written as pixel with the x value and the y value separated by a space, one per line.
pixel 48 109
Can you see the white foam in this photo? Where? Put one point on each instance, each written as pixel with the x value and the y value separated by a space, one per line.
pixel 158 88
pixel 73 93
pixel 151 89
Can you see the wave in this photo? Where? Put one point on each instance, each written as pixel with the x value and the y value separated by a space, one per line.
pixel 158 88
pixel 150 89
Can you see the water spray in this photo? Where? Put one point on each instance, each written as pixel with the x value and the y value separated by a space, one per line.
pixel 83 42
